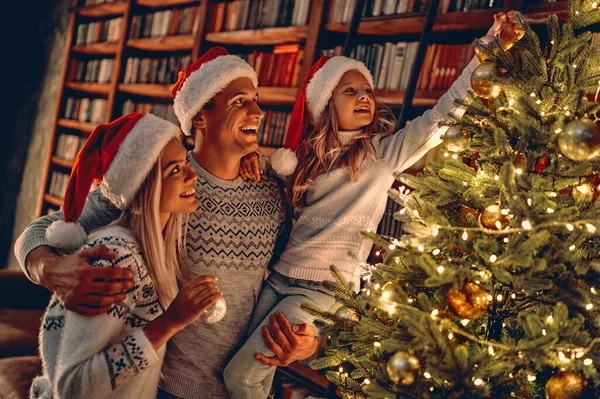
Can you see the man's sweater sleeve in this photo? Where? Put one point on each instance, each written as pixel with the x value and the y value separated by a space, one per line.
pixel 97 212
pixel 408 145
pixel 94 358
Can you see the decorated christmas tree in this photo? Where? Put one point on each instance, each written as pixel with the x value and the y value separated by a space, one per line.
pixel 492 290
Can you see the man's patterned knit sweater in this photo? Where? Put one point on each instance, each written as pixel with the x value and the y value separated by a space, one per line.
pixel 232 235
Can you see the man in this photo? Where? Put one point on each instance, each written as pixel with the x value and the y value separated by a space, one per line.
pixel 233 235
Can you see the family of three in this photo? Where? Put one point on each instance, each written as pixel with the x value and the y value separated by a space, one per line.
pixel 135 263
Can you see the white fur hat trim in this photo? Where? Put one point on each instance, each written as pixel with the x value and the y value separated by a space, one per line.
pixel 202 85
pixel 136 156
pixel 284 161
pixel 320 88
pixel 65 236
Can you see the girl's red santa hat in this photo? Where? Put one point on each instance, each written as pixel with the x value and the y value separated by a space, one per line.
pixel 207 76
pixel 317 89
pixel 119 155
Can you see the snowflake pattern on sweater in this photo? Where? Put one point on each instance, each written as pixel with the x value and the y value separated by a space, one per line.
pixel 107 354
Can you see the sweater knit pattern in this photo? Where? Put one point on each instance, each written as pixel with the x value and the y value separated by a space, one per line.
pixel 327 230
pixel 107 355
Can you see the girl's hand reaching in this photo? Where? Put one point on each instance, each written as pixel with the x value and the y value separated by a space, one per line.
pixel 508 26
pixel 250 167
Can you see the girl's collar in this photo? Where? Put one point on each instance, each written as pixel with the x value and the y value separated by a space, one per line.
pixel 347 136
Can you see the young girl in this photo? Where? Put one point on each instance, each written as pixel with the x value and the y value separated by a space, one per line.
pixel 142 165
pixel 346 158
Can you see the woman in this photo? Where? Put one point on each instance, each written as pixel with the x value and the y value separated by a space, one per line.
pixel 143 168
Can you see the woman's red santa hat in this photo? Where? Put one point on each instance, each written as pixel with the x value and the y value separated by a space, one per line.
pixel 317 89
pixel 206 77
pixel 119 155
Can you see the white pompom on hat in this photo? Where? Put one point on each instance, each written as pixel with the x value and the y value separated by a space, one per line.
pixel 120 154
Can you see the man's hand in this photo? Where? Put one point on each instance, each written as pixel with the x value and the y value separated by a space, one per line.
pixel 250 167
pixel 509 26
pixel 288 342
pixel 81 288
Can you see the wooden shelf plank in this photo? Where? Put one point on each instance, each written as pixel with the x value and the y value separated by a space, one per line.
pixel 84 127
pixel 148 90
pixel 445 22
pixel 277 95
pixel 102 10
pixel 469 20
pixel 97 48
pixel 396 97
pixel 93 88
pixel 266 95
pixel 164 3
pixel 168 43
pixel 259 36
pixel 392 25
pixel 62 162
pixel 53 199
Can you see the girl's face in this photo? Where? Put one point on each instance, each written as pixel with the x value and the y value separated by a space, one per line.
pixel 353 101
pixel 177 194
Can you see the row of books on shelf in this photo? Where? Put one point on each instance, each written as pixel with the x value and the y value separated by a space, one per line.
pixel 99 31
pixel 279 68
pixel 342 10
pixel 68 145
pixel 90 71
pixel 390 63
pixel 164 111
pixel 86 3
pixel 469 5
pixel 155 70
pixel 388 225
pixel 442 64
pixel 58 184
pixel 85 109
pixel 273 127
pixel 165 23
pixel 257 14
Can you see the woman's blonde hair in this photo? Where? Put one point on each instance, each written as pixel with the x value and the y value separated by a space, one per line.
pixel 163 250
pixel 320 149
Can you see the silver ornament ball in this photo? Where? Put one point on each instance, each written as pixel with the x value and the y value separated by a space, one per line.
pixel 215 312
pixel 481 81
pixel 344 312
pixel 402 368
pixel 456 139
pixel 580 140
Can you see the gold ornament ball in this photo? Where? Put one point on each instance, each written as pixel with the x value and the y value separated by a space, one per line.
pixel 580 140
pixel 492 219
pixel 481 81
pixel 566 385
pixel 456 139
pixel 402 368
pixel 346 313
pixel 470 302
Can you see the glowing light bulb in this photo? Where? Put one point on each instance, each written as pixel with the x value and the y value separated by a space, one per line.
pixel 440 269
pixel 526 224
pixel 493 258
pixel 478 382
pixel 465 236
pixel 570 227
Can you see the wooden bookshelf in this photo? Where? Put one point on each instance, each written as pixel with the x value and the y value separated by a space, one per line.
pixel 76 125
pixel 97 49
pixel 168 43
pixel 62 162
pixel 267 36
pixel 102 10
pixel 53 200
pixel 91 88
pixel 165 3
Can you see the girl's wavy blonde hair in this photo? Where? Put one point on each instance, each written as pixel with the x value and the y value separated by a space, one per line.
pixel 320 149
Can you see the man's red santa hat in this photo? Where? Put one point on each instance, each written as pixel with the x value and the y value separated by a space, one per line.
pixel 317 89
pixel 207 76
pixel 119 155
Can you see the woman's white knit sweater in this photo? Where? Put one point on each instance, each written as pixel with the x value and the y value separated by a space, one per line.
pixel 327 230
pixel 106 355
